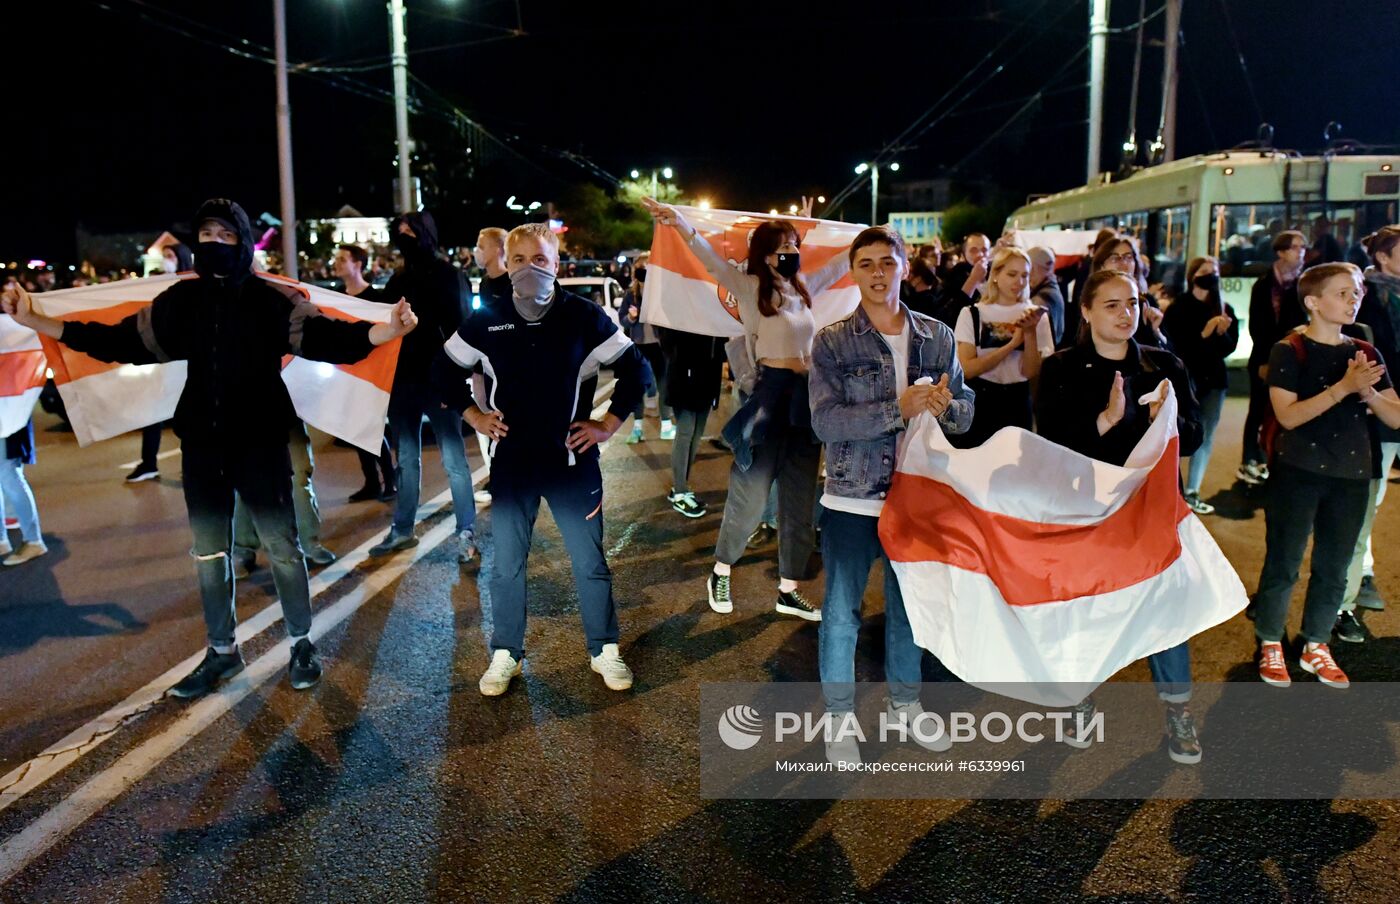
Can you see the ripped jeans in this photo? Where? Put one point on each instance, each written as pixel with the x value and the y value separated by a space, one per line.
pixel 262 478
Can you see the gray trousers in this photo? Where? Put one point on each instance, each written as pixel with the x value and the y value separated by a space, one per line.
pixel 245 531
pixel 690 427
pixel 788 456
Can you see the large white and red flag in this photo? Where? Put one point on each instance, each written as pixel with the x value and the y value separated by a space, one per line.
pixel 103 400
pixel 21 374
pixel 681 294
pixel 1039 572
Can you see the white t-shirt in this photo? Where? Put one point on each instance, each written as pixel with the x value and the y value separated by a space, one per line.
pixel 899 349
pixel 998 323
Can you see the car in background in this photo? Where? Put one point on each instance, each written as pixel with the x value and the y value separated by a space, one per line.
pixel 601 290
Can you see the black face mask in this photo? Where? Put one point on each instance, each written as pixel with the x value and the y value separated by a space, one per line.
pixel 1207 282
pixel 642 275
pixel 216 258
pixel 788 265
pixel 407 244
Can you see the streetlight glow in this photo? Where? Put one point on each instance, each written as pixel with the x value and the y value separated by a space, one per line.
pixel 821 199
pixel 862 168
pixel 666 172
pixel 773 212
pixel 704 203
pixel 636 175
pixel 792 208
pixel 894 167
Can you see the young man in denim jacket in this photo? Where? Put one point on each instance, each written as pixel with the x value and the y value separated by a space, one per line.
pixel 863 390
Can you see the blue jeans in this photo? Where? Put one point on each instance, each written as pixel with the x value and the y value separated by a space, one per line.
pixel 1171 673
pixel 14 489
pixel 1212 401
pixel 850 544
pixel 406 423
pixel 575 497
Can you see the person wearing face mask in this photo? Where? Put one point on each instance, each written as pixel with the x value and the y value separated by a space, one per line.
pixel 175 258
pixel 543 351
pixel 233 329
pixel 1001 341
pixel 1204 332
pixel 438 295
pixel 771 433
pixel 645 337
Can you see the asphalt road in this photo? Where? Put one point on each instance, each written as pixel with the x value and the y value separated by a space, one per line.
pixel 393 780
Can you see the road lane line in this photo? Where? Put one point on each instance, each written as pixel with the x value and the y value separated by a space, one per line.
pixel 58 756
pixel 132 464
pixel 100 790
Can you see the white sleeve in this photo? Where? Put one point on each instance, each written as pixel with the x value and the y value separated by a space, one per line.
pixel 1044 338
pixel 963 331
pixel 462 354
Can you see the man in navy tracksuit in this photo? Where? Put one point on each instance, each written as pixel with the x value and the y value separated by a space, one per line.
pixel 541 350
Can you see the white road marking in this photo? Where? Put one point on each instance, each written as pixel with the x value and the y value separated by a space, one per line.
pixel 100 790
pixel 34 773
pixel 131 464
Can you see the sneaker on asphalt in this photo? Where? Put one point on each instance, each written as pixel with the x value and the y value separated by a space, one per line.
pixel 1261 471
pixel 916 729
pixel 717 587
pixel 616 675
pixel 143 472
pixel 762 535
pixel 466 547
pixel 793 602
pixel 1349 628
pixel 1194 503
pixel 687 504
pixel 1248 474
pixel 25 552
pixel 841 743
pixel 367 493
pixel 1368 597
pixel 1272 668
pixel 206 676
pixel 1319 662
pixel 319 556
pixel 668 431
pixel 1183 746
pixel 634 437
pixel 305 667
pixel 496 678
pixel 1078 731
pixel 482 497
pixel 392 543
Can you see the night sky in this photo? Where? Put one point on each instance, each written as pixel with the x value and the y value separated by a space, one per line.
pixel 118 122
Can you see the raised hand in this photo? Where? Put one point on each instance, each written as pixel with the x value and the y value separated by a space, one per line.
pixel 940 396
pixel 1117 405
pixel 15 302
pixel 667 215
pixel 806 209
pixel 1361 376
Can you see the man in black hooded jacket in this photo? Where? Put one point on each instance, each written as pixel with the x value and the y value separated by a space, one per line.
pixel 232 329
pixel 438 294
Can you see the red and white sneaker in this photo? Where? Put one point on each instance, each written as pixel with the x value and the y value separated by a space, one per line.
pixel 1272 669
pixel 1319 661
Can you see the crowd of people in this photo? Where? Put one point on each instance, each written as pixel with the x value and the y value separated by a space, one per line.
pixel 982 339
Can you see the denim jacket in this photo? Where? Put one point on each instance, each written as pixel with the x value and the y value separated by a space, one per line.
pixel 854 408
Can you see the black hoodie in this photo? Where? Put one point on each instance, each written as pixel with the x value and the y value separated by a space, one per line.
pixel 233 331
pixel 436 291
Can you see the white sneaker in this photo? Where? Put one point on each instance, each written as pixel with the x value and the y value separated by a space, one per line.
pixel 917 731
pixel 482 497
pixel 496 678
pixel 26 552
pixel 846 749
pixel 616 675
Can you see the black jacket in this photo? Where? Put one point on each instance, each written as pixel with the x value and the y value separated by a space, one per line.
pixel 693 368
pixel 1049 296
pixel 1074 388
pixel 1264 328
pixel 437 293
pixel 20 444
pixel 495 289
pixel 1204 358
pixel 233 332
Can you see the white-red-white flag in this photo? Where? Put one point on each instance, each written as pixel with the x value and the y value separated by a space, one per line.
pixel 21 374
pixel 1025 564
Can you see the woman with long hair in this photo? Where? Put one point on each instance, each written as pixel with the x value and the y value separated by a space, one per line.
pixel 1122 254
pixel 1088 401
pixel 1002 339
pixel 1204 331
pixel 771 434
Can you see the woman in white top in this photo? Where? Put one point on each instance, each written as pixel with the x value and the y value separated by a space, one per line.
pixel 771 434
pixel 1001 341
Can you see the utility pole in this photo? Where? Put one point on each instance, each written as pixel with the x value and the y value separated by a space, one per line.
pixel 399 57
pixel 1098 47
pixel 874 194
pixel 1167 131
pixel 284 142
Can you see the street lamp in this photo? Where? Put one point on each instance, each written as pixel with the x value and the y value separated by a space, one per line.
pixel 704 203
pixel 874 169
pixel 666 173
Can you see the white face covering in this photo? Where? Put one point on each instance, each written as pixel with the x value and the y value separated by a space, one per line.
pixel 479 257
pixel 169 266
pixel 532 289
